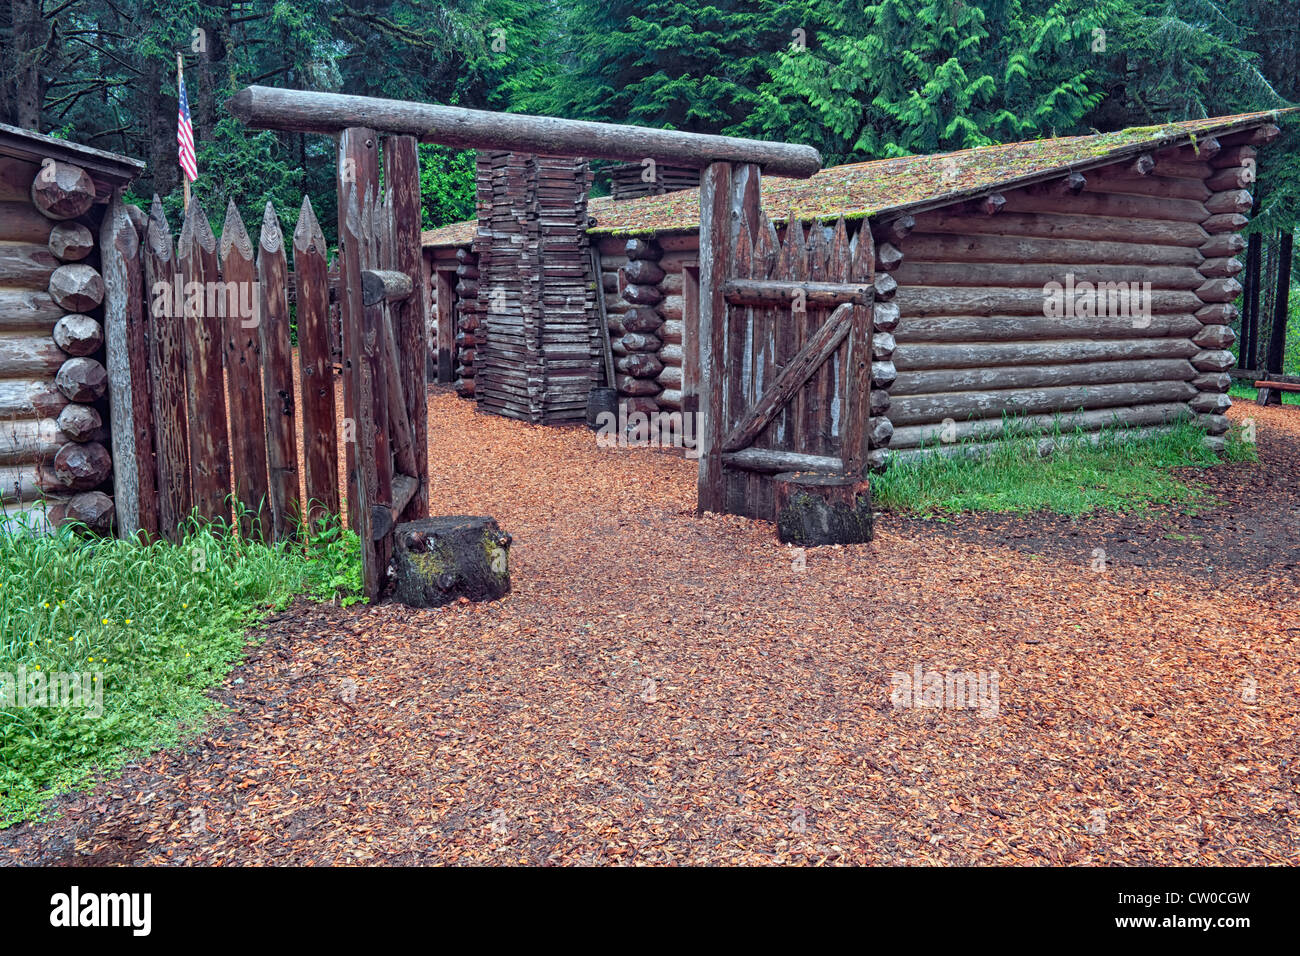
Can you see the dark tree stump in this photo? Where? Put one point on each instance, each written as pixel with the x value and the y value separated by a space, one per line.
pixel 815 509
pixel 438 560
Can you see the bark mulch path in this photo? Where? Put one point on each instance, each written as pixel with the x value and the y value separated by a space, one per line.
pixel 661 688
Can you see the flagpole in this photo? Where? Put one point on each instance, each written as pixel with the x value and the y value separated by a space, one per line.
pixel 180 78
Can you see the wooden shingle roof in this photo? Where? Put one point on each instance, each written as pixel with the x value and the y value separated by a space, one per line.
pixel 910 183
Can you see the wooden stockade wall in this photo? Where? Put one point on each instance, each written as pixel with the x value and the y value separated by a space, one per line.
pixel 537 348
pixel 219 368
pixel 63 293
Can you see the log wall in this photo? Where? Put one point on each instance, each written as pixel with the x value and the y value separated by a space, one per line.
pixel 537 351
pixel 977 340
pixel 55 462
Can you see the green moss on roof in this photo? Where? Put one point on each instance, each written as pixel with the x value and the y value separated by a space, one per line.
pixel 867 189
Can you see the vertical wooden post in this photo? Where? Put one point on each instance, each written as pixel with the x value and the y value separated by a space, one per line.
pixel 316 367
pixel 402 180
pixel 445 284
pixel 715 261
pixel 729 197
pixel 127 361
pixel 358 169
pixel 277 376
pixel 244 376
pixel 1281 300
pixel 1250 311
pixel 206 394
pixel 375 452
pixel 359 430
pixel 167 375
pixel 691 339
pixel 857 366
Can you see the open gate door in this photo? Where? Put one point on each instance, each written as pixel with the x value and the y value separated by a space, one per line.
pixel 785 346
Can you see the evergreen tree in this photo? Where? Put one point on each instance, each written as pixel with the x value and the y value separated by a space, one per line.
pixel 664 63
pixel 914 76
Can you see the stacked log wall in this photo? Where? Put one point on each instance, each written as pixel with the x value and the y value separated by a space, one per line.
pixel 55 462
pixel 644 284
pixel 974 344
pixel 539 351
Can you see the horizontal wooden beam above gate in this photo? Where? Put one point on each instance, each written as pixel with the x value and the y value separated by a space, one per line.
pixel 305 111
pixel 777 292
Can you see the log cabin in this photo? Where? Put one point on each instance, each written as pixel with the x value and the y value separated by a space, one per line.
pixel 1083 281
pixel 59 305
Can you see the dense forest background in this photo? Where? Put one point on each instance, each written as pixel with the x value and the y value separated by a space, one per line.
pixel 857 80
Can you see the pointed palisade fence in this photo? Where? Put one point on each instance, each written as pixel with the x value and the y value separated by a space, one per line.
pixel 210 416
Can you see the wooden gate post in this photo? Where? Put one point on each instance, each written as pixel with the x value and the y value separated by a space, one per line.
pixel 358 173
pixel 729 195
pixel 402 179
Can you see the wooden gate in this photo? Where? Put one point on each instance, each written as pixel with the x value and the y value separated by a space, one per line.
pixel 785 346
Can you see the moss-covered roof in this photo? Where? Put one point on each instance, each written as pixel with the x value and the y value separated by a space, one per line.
pixel 908 182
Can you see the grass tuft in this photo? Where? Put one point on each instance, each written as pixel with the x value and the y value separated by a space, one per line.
pixel 154 626
pixel 1122 472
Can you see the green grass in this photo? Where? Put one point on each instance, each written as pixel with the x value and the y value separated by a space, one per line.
pixel 154 626
pixel 1122 472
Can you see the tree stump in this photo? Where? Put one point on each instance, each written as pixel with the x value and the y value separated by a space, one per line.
pixel 438 560
pixel 814 509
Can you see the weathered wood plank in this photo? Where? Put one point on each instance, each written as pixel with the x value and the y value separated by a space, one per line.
pixel 316 371
pixel 911 357
pixel 360 370
pixel 242 316
pixel 914 436
pixel 1015 250
pixel 167 386
pixel 1066 226
pixel 960 406
pixel 402 177
pixel 922 301
pixel 196 252
pixel 715 262
pixel 855 440
pixel 278 395
pixel 127 362
pixel 358 168
pixel 264 107
pixel 1017 328
pixel 1040 376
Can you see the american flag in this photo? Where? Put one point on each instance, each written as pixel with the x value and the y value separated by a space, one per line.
pixel 185 138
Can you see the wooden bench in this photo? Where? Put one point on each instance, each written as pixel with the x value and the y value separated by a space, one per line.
pixel 1270 393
